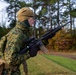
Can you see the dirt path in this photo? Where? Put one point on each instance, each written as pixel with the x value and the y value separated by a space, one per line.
pixel 68 55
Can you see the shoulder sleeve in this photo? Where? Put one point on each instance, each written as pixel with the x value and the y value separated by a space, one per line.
pixel 3 41
pixel 12 50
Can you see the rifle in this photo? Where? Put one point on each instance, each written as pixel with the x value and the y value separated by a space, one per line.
pixel 34 44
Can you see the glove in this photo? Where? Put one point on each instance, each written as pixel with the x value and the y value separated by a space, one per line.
pixel 33 51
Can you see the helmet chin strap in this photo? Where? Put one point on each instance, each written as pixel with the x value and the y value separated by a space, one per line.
pixel 26 23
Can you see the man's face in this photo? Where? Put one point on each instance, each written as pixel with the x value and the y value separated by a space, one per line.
pixel 31 21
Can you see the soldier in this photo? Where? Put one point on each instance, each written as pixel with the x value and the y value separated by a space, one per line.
pixel 12 43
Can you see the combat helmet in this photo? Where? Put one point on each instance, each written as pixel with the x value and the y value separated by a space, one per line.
pixel 24 14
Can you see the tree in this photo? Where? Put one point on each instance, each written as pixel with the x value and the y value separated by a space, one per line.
pixel 12 9
pixel 48 13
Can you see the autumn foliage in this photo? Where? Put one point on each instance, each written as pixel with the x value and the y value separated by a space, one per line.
pixel 63 41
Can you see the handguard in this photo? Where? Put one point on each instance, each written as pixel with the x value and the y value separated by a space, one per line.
pixel 33 46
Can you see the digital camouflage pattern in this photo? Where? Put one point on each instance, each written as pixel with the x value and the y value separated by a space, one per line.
pixel 10 45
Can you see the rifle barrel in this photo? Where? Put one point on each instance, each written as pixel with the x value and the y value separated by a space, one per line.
pixel 52 32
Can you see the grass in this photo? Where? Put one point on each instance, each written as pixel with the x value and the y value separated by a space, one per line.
pixel 40 65
pixel 66 62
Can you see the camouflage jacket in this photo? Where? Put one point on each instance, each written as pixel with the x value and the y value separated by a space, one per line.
pixel 11 43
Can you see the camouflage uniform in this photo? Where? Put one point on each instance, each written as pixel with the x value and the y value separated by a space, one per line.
pixel 10 45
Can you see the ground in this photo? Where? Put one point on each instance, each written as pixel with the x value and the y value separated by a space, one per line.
pixel 71 55
pixel 40 65
pixel 65 54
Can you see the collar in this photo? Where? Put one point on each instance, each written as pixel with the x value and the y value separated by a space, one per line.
pixel 21 26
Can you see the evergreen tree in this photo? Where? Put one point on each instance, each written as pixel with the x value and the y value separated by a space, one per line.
pixel 12 9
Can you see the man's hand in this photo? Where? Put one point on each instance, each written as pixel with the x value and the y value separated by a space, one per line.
pixel 1 66
pixel 1 61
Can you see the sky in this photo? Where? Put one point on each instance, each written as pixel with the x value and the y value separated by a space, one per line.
pixel 3 14
pixel 3 5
